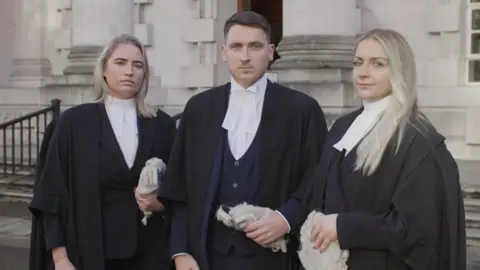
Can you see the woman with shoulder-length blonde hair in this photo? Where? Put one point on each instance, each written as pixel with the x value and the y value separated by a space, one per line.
pixel 386 187
pixel 86 191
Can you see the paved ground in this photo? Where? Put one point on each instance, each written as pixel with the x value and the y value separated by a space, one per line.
pixel 12 258
pixel 15 226
pixel 14 236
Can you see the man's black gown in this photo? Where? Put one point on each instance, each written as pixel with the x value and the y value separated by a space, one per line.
pixel 287 147
pixel 87 187
pixel 408 215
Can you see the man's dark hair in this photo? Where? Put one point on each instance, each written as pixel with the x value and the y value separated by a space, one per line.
pixel 248 18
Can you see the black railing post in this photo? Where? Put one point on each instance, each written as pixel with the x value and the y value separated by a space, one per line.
pixel 55 108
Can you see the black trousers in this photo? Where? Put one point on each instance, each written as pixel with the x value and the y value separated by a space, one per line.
pixel 264 260
pixel 123 264
pixel 138 262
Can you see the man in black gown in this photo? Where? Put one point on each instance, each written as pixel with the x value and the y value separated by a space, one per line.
pixel 249 140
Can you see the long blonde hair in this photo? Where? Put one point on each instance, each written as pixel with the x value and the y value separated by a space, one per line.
pixel 403 104
pixel 101 89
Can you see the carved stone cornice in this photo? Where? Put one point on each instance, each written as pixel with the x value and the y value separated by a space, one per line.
pixel 315 51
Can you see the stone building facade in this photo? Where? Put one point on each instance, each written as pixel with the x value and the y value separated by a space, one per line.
pixel 48 47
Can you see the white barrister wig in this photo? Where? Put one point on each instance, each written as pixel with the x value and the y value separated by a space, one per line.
pixel 332 259
pixel 237 217
pixel 149 180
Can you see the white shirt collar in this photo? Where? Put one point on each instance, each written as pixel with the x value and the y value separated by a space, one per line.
pixel 258 87
pixel 377 106
pixel 364 122
pixel 120 112
pixel 120 103
pixel 243 107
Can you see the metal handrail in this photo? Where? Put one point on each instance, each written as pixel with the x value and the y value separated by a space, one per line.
pixel 13 167
pixel 10 151
pixel 27 116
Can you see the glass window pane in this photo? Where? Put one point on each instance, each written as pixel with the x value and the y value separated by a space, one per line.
pixel 476 19
pixel 474 71
pixel 475 44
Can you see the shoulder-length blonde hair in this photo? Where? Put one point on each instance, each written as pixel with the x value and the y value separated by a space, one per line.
pixel 390 129
pixel 101 89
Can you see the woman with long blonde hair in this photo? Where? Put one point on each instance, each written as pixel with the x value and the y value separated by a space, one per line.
pixel 386 185
pixel 85 193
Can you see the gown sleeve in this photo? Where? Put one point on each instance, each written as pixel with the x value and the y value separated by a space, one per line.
pixel 50 194
pixel 38 253
pixel 410 228
pixel 172 191
pixel 52 226
pixel 173 184
pixel 53 229
pixel 314 134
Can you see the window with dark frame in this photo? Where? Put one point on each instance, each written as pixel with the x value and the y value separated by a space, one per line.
pixel 473 42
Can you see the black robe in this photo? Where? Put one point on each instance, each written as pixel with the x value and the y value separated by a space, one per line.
pixel 292 132
pixel 408 215
pixel 38 255
pixel 69 186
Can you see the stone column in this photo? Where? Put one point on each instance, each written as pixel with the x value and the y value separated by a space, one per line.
pixel 317 34
pixel 30 61
pixel 94 23
pixel 316 51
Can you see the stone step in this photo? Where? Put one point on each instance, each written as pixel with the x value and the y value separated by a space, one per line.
pixel 472 220
pixel 471 192
pixel 471 195
pixel 473 237
pixel 15 196
pixel 473 216
pixel 473 258
pixel 19 171
pixel 23 179
pixel 472 205
pixel 16 189
pixel 19 160
pixel 472 224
